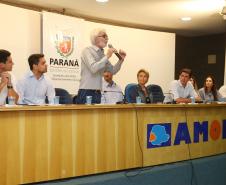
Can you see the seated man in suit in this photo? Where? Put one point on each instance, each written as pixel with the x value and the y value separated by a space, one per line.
pixel 7 81
pixel 35 86
pixel 182 89
pixel 111 93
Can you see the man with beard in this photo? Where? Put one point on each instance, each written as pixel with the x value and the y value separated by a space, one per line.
pixel 35 86
pixel 93 64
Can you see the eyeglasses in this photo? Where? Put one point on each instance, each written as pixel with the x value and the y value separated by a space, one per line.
pixel 104 36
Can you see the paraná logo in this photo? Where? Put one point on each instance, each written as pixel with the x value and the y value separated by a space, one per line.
pixel 64 45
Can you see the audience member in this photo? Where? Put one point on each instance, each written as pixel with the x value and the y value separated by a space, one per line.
pixel 182 89
pixel 141 90
pixel 111 92
pixel 93 63
pixel 209 92
pixel 35 86
pixel 7 80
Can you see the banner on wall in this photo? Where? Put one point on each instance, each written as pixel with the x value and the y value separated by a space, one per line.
pixel 61 45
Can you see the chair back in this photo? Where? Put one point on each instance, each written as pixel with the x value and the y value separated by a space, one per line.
pixel 65 97
pixel 156 92
pixel 129 88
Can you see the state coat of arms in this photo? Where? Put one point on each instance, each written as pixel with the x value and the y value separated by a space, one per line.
pixel 64 45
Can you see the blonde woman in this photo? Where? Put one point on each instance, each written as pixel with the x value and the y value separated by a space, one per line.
pixel 141 90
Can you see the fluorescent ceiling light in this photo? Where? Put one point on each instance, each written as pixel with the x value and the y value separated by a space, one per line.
pixel 204 5
pixel 101 1
pixel 186 18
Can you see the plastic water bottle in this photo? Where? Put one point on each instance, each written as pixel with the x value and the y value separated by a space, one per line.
pixel 192 100
pixel 11 100
pixel 138 99
pixel 88 100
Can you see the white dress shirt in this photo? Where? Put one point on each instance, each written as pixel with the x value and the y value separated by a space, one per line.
pixel 111 93
pixel 179 91
pixel 34 91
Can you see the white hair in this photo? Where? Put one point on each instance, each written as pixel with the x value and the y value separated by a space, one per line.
pixel 94 33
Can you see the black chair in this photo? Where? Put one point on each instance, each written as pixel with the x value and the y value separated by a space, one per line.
pixel 74 99
pixel 129 88
pixel 157 94
pixel 65 97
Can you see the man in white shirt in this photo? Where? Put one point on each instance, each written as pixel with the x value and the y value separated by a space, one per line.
pixel 222 91
pixel 182 90
pixel 35 86
pixel 111 93
pixel 7 81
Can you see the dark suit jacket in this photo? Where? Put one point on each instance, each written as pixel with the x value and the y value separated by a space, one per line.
pixel 137 91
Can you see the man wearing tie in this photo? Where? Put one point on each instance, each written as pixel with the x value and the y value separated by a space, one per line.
pixel 111 92
pixel 7 81
pixel 93 63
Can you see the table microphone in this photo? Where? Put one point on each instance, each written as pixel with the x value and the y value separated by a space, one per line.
pixel 114 92
pixel 116 53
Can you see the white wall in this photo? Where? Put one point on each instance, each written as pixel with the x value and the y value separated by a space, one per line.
pixel 20 34
pixel 154 51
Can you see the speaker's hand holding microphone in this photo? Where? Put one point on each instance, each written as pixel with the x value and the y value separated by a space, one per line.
pixel 121 54
pixel 110 51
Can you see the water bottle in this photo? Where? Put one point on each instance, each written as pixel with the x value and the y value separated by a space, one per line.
pixel 192 100
pixel 11 100
pixel 151 98
pixel 138 99
pixel 88 100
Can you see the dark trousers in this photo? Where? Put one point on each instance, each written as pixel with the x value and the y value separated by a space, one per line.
pixel 82 93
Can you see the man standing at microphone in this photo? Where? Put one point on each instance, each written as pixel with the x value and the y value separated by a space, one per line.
pixel 94 63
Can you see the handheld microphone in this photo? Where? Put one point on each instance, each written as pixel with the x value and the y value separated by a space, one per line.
pixel 116 53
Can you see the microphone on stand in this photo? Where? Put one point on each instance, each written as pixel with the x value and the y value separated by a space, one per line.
pixel 114 92
pixel 116 53
pixel 168 98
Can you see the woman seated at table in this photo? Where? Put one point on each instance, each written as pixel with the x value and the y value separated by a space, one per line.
pixel 209 92
pixel 141 90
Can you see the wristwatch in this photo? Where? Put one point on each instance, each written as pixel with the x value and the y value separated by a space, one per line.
pixel 9 86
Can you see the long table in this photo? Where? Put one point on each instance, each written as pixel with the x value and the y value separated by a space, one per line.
pixel 39 143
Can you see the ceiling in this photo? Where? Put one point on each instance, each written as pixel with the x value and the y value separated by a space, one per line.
pixel 161 15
